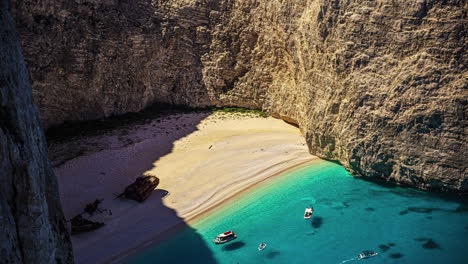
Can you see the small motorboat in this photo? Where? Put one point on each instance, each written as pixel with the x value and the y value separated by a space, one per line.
pixel 367 254
pixel 225 237
pixel 308 212
pixel 262 246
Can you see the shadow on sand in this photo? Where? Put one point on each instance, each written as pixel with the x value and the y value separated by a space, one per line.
pixel 133 228
pixel 180 244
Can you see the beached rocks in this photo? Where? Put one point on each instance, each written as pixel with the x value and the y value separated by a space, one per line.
pixel 92 208
pixel 81 225
pixel 376 85
pixel 32 225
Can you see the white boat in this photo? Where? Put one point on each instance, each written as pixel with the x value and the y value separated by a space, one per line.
pixel 225 237
pixel 367 254
pixel 308 212
pixel 262 246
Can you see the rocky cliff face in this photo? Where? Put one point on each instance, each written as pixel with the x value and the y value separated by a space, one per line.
pixel 32 226
pixel 378 85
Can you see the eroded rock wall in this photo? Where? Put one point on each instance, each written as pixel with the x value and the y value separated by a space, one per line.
pixel 92 59
pixel 32 226
pixel 378 85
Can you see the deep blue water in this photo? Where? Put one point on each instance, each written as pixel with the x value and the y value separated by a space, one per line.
pixel 403 225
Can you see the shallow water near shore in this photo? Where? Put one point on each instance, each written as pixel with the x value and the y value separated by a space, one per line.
pixel 403 225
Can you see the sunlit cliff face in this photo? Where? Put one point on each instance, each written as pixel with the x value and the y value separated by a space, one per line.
pixel 376 85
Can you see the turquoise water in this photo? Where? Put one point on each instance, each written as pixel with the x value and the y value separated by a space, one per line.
pixel 403 225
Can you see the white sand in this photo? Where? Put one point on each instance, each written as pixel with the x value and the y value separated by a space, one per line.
pixel 201 161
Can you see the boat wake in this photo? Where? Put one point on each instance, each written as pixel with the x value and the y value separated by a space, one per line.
pixel 311 200
pixel 348 260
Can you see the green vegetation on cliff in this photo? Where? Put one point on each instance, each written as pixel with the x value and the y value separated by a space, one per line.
pixel 240 110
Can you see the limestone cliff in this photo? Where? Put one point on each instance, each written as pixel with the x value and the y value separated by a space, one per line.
pixel 378 85
pixel 32 226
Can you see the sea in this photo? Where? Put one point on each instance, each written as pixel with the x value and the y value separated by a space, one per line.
pixel 351 215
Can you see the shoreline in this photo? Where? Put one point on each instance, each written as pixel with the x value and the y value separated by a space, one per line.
pixel 167 234
pixel 203 161
pixel 194 219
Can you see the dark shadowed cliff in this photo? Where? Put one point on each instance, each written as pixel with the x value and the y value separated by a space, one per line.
pixel 378 85
pixel 32 226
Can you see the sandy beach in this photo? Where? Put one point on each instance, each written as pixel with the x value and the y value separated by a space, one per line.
pixel 201 159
